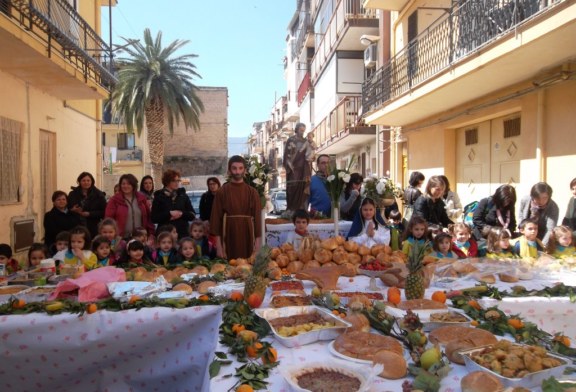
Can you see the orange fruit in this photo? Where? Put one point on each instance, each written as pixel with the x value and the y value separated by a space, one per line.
pixel 255 300
pixel 474 323
pixel 439 296
pixel 270 355
pixel 515 323
pixel 233 262
pixel 204 297
pixel 91 308
pixel 252 350
pixel 244 388
pixel 394 295
pixel 236 296
pixel 335 312
pixel 133 299
pixel 18 303
pixel 237 328
pixel 473 303
pixel 565 340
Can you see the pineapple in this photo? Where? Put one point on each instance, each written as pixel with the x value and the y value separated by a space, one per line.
pixel 414 288
pixel 256 283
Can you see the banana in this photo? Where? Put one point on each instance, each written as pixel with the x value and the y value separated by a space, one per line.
pixel 54 306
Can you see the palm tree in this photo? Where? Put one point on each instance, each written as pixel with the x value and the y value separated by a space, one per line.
pixel 155 86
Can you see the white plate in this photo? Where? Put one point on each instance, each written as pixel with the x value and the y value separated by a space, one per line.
pixel 334 352
pixel 424 314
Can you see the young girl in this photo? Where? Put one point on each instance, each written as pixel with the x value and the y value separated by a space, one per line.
pixel 36 254
pixel 396 229
pixel 166 253
pixel 368 228
pixel 102 248
pixel 187 251
pixel 108 228
pixel 79 252
pixel 442 246
pixel 203 249
pixel 560 244
pixel 141 234
pixel 463 245
pixel 498 244
pixel 416 232
pixel 172 230
pixel 133 255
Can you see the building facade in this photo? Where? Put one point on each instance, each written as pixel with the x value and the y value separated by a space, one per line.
pixel 479 91
pixel 53 75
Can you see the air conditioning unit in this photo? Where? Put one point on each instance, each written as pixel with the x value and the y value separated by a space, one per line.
pixel 370 55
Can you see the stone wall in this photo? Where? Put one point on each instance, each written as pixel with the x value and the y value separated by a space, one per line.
pixel 205 151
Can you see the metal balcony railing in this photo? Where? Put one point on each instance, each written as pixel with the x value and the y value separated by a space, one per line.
pixel 65 32
pixel 450 39
pixel 343 116
pixel 345 13
pixel 304 29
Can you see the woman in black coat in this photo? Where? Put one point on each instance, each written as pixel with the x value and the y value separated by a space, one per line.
pixel 430 205
pixel 171 204
pixel 88 202
pixel 58 219
pixel 497 210
pixel 207 198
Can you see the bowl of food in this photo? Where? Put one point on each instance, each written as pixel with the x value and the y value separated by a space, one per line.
pixel 441 319
pixel 515 365
pixel 330 376
pixel 300 325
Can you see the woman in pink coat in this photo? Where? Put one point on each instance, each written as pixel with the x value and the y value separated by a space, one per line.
pixel 129 208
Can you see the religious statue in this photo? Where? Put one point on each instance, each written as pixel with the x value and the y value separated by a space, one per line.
pixel 298 158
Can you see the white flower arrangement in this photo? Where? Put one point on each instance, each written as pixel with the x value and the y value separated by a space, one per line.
pixel 336 182
pixel 379 189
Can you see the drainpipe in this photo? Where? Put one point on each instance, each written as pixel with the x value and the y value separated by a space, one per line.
pixel 540 146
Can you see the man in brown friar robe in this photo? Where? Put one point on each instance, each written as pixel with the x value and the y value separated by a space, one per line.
pixel 236 218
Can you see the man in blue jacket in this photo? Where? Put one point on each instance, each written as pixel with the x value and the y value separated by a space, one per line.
pixel 319 198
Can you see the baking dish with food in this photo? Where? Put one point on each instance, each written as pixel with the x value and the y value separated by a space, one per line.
pixel 327 333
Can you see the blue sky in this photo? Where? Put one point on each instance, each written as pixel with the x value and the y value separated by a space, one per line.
pixel 240 44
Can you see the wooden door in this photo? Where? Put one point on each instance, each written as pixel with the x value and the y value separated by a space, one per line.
pixel 473 162
pixel 505 138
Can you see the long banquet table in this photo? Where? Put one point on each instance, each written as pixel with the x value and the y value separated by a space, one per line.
pixel 151 349
pixel 532 308
pixel 277 233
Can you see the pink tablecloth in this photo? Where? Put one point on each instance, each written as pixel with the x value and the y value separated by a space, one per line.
pixel 153 349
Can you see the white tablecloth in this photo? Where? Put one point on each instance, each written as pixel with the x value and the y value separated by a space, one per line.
pixel 319 352
pixel 153 349
pixel 276 234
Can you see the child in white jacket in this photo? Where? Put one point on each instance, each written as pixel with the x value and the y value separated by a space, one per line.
pixel 368 228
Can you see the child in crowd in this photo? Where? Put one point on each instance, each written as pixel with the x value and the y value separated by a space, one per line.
pixel 166 253
pixel 201 244
pixel 141 234
pixel 211 237
pixel 368 227
pixel 416 232
pixel 528 245
pixel 442 246
pixel 172 230
pixel 187 251
pixel 498 244
pixel 102 248
pixel 109 229
pixel 133 255
pixel 36 253
pixel 433 230
pixel 396 229
pixel 79 252
pixel 60 246
pixel 560 243
pixel 10 265
pixel 301 220
pixel 464 245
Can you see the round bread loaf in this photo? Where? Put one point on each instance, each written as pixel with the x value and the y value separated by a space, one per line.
pixel 447 334
pixel 204 286
pixel 183 287
pixel 364 345
pixel 420 304
pixel 480 382
pixel 394 364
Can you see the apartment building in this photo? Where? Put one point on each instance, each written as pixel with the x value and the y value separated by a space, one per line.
pixel 482 92
pixel 53 75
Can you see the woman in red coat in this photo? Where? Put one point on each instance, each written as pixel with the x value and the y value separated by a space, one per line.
pixel 129 208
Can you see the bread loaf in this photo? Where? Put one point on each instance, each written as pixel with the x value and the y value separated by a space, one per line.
pixel 480 382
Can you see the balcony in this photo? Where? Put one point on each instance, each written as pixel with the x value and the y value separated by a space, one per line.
pixel 348 23
pixel 48 44
pixel 304 88
pixel 391 5
pixel 343 129
pixel 476 49
pixel 304 38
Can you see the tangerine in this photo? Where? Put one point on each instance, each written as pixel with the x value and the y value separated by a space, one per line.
pixel 204 297
pixel 439 296
pixel 270 355
pixel 474 323
pixel 515 323
pixel 244 388
pixel 237 328
pixel 236 296
pixel 474 304
pixel 91 308
pixel 133 299
pixel 252 350
pixel 18 303
pixel 255 300
pixel 394 295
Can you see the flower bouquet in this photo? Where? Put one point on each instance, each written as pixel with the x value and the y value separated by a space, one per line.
pixel 257 175
pixel 336 181
pixel 382 190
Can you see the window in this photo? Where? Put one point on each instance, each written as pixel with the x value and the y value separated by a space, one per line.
pixel 471 136
pixel 47 169
pixel 10 159
pixel 125 141
pixel 512 127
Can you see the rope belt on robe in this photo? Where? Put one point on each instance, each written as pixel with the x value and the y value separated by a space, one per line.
pixel 226 216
